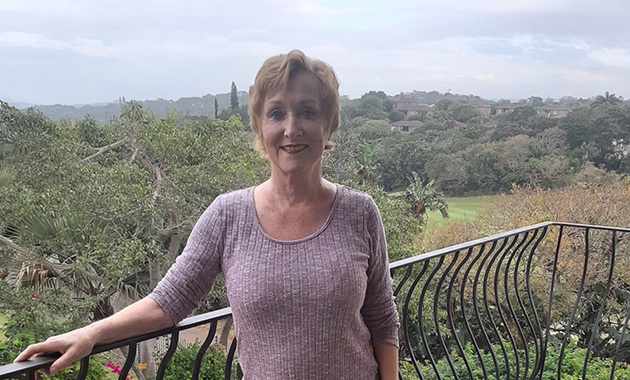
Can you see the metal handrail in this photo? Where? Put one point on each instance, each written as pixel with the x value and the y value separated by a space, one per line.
pixel 481 309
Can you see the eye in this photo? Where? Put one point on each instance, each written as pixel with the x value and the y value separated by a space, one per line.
pixel 308 113
pixel 275 114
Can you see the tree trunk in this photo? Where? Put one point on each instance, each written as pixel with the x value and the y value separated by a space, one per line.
pixel 103 309
pixel 225 332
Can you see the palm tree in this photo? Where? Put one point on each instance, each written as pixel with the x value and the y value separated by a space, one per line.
pixel 43 267
pixel 6 176
pixel 588 150
pixel 422 198
pixel 606 99
pixel 366 161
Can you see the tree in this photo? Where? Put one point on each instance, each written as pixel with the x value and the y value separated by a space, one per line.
pixel 401 154
pixel 234 98
pixel 367 166
pixel 87 221
pixel 216 108
pixel 401 228
pixel 604 204
pixel 423 197
pixel 395 116
pixel 448 171
pixel 444 104
pixel 535 101
pixel 482 162
pixel 520 115
pixel 375 105
pixel 606 99
pixel 463 112
pixel 514 155
pixel 6 176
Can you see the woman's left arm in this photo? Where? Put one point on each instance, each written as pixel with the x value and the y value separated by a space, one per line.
pixel 379 309
pixel 387 358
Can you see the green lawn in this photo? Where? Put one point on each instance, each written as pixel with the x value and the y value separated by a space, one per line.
pixel 3 320
pixel 460 208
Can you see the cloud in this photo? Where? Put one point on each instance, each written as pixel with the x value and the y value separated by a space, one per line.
pixel 495 48
pixel 312 8
pixel 83 46
pixel 614 57
pixel 31 40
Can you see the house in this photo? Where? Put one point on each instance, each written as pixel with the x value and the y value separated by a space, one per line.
pixel 503 108
pixel 411 109
pixel 406 126
pixel 552 110
pixel 483 109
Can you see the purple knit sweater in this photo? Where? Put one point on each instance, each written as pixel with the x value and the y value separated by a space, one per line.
pixel 305 309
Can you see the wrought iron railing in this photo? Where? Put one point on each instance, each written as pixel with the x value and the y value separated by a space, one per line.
pixel 516 305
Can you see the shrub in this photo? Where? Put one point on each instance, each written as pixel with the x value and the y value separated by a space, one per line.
pixel 181 364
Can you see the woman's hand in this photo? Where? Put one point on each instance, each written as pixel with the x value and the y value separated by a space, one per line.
pixel 139 318
pixel 72 346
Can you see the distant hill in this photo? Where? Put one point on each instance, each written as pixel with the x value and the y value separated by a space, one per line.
pixel 192 106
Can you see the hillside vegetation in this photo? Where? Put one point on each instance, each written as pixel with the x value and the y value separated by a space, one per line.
pixel 96 210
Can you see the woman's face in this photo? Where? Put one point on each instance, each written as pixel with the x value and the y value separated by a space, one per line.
pixel 294 125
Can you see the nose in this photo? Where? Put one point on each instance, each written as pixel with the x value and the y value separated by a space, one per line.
pixel 292 126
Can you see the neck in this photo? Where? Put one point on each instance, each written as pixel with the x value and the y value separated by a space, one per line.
pixel 296 189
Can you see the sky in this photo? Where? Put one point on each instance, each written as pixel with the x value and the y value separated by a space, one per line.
pixel 88 52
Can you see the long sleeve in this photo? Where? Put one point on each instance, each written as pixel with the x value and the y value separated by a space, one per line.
pixel 379 310
pixel 194 271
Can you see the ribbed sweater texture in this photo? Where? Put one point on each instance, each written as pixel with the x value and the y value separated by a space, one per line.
pixel 305 309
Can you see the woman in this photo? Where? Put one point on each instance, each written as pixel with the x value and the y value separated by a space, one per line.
pixel 304 260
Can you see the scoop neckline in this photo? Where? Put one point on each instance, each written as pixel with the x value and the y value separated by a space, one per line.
pixel 320 230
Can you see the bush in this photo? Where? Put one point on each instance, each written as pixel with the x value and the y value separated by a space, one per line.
pixel 181 364
pixel 571 367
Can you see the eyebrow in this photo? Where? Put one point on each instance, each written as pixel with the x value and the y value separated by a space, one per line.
pixel 303 102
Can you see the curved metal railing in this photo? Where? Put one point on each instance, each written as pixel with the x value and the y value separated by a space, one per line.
pixel 514 305
pixel 509 306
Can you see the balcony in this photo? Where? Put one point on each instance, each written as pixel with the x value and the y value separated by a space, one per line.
pixel 543 299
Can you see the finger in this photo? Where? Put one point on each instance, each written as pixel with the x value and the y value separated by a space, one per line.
pixel 32 350
pixel 61 363
pixel 45 371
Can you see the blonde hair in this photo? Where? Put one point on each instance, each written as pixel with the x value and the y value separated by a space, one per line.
pixel 275 73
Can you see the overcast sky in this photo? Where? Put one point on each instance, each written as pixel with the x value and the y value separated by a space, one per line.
pixel 79 52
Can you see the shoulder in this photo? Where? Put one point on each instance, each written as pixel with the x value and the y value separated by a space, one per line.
pixel 356 199
pixel 236 197
pixel 226 204
pixel 358 208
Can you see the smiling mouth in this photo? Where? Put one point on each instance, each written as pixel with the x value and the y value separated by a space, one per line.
pixel 293 148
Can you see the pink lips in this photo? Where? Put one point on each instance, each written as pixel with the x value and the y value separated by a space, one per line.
pixel 292 149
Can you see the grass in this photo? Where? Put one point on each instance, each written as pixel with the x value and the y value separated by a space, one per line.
pixel 3 320
pixel 460 209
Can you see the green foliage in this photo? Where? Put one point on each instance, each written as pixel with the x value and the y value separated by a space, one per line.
pixel 490 153
pixel 423 197
pixel 400 155
pixel 96 210
pixel 521 115
pixel 401 228
pixel 34 316
pixel 6 176
pixel 606 99
pixel 463 112
pixel 212 365
pixel 570 368
pixel 233 97
pixel 96 371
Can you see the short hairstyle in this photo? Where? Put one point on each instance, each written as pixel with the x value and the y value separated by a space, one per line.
pixel 275 74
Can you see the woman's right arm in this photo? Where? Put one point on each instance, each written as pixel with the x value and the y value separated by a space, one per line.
pixel 139 318
pixel 178 292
